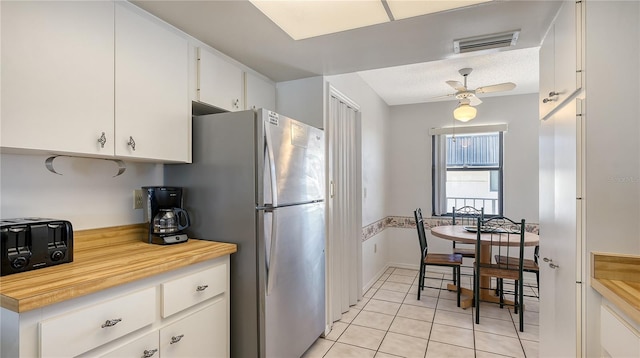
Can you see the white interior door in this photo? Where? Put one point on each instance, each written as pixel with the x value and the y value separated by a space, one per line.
pixel 344 205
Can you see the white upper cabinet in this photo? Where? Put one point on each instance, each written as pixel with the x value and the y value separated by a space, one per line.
pixel 259 92
pixel 57 76
pixel 88 77
pixel 561 58
pixel 220 83
pixel 152 108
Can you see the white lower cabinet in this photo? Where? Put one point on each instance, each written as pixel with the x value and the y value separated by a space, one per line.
pixel 201 334
pixel 618 335
pixel 128 320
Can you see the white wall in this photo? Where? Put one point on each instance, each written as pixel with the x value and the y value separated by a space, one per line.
pixel 375 124
pixel 410 152
pixel 409 163
pixel 612 151
pixel 86 193
pixel 302 100
pixel 375 259
pixel 305 100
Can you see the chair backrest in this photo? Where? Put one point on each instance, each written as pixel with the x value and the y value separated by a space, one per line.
pixel 466 215
pixel 503 235
pixel 422 237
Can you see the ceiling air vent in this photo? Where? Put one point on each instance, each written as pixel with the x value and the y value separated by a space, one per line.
pixel 484 42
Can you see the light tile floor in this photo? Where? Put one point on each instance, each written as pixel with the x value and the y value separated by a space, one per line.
pixel 391 322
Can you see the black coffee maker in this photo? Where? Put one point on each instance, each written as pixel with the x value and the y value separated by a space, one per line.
pixel 165 215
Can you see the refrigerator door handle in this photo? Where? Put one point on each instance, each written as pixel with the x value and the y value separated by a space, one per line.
pixel 271 166
pixel 273 263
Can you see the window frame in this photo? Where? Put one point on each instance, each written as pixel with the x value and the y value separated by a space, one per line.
pixel 499 168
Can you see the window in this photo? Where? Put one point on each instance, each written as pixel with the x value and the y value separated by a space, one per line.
pixel 467 170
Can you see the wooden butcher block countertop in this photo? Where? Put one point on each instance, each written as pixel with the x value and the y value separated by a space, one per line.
pixel 617 278
pixel 103 258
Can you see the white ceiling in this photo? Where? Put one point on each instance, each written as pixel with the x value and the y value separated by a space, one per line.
pixel 405 61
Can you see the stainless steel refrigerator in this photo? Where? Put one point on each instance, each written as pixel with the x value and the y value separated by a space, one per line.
pixel 257 180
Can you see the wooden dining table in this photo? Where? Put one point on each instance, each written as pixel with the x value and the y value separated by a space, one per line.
pixel 458 233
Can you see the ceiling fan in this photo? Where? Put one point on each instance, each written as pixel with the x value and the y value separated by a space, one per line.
pixel 467 97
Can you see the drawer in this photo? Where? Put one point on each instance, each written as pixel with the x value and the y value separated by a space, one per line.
pixel 189 290
pixel 618 338
pixel 79 331
pixel 146 346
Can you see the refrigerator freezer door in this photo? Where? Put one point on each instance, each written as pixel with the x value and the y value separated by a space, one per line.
pixel 293 161
pixel 295 305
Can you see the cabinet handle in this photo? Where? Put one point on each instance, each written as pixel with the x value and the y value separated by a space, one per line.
pixel 132 143
pixel 111 322
pixel 149 353
pixel 550 98
pixel 102 140
pixel 202 288
pixel 176 339
pixel 551 264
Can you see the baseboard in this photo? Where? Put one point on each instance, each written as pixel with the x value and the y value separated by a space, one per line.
pixel 375 278
pixel 403 266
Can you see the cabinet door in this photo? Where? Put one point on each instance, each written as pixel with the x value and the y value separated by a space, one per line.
pixel 220 83
pixel 57 76
pixel 146 347
pixel 568 66
pixel 561 232
pixel 561 58
pixel 547 74
pixel 260 93
pixel 204 333
pixel 152 109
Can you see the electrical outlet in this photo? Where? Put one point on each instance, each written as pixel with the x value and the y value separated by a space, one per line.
pixel 137 199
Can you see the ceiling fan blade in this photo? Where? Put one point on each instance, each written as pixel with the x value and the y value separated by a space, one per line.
pixel 474 101
pixel 443 97
pixel 457 85
pixel 507 86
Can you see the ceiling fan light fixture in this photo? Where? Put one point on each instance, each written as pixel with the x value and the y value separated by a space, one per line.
pixel 464 112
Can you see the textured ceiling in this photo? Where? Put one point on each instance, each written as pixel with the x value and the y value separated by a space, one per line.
pixel 422 82
pixel 240 30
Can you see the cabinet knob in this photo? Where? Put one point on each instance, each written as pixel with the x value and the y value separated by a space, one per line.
pixel 111 322
pixel 149 353
pixel 102 140
pixel 132 143
pixel 176 339
pixel 202 288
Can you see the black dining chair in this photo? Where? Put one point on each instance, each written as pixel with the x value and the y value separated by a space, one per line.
pixel 528 265
pixel 467 216
pixel 501 235
pixel 431 259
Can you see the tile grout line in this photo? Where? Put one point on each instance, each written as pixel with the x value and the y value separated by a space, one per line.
pixel 438 308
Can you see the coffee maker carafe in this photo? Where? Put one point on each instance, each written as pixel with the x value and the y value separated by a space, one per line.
pixel 165 215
